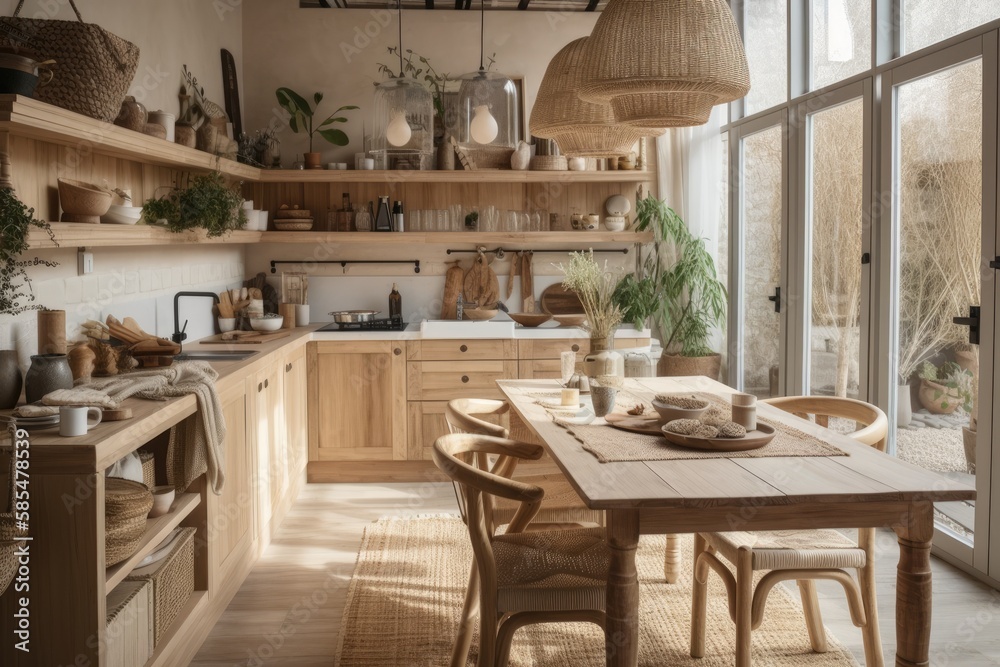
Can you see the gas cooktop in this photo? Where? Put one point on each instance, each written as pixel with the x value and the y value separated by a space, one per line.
pixel 385 324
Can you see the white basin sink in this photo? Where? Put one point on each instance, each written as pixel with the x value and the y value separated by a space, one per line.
pixel 463 329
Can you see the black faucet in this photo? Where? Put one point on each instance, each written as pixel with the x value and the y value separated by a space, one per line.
pixel 179 336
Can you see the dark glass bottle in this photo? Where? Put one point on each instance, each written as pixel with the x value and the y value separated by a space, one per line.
pixel 397 216
pixel 395 304
pixel 383 220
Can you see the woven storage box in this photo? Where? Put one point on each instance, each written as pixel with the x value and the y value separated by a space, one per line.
pixel 129 633
pixel 173 583
pixel 8 531
pixel 93 69
pixel 126 505
pixel 490 157
pixel 148 468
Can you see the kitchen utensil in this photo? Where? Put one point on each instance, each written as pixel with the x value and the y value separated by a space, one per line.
pixel 558 300
pixel 570 319
pixel 527 283
pixel 752 440
pixel 530 319
pixel 480 314
pixel 481 284
pixel 287 311
pixel 453 285
pixel 76 420
pixel 515 267
pixel 301 314
pixel 353 316
pixel 83 202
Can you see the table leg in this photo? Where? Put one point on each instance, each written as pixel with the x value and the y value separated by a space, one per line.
pixel 622 628
pixel 672 559
pixel 913 586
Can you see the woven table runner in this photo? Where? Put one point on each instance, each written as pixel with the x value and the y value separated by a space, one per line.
pixel 610 444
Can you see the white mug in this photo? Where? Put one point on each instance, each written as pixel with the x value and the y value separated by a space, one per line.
pixel 74 420
pixel 302 315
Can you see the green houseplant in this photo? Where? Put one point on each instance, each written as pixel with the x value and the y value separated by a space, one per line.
pixel 945 388
pixel 676 289
pixel 208 203
pixel 302 120
pixel 16 220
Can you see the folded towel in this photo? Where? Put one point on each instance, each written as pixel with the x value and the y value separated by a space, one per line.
pixel 80 396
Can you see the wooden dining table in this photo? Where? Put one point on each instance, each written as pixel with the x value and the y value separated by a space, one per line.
pixel 865 488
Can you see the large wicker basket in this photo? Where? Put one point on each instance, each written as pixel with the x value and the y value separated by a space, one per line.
pixel 126 505
pixel 8 529
pixel 173 582
pixel 93 69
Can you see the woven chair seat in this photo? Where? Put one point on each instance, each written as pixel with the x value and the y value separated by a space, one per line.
pixel 551 570
pixel 791 549
pixel 562 504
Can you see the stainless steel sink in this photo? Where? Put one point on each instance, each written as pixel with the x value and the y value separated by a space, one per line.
pixel 215 355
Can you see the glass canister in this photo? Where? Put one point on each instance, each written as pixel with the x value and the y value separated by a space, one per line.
pixel 638 365
pixel 363 219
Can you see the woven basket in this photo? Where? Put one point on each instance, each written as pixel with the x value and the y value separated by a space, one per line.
pixel 148 468
pixel 582 129
pixel 664 64
pixel 8 529
pixel 489 157
pixel 173 582
pixel 93 69
pixel 126 505
pixel 548 163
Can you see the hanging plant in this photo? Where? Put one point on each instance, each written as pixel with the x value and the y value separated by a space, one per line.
pixel 208 203
pixel 16 220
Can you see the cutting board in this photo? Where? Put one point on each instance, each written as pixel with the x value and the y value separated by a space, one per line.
pixel 248 339
pixel 557 300
pixel 481 284
pixel 452 287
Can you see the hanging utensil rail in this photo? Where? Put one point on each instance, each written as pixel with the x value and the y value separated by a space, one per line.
pixel 344 262
pixel 500 252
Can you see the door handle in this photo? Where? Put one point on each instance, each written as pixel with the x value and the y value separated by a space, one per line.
pixel 776 299
pixel 972 321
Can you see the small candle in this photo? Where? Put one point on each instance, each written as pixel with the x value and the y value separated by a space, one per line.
pixel 745 411
pixel 571 397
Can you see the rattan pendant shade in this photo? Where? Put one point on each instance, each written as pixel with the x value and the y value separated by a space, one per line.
pixel 665 64
pixel 582 129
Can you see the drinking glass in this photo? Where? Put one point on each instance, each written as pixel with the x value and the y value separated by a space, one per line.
pixel 363 220
pixel 413 224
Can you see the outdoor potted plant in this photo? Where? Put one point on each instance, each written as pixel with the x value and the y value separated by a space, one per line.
pixel 675 288
pixel 208 203
pixel 595 285
pixel 944 388
pixel 301 119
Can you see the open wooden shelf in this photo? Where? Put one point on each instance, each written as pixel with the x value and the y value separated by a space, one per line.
pixel 73 235
pixel 156 531
pixel 573 239
pixel 30 118
pixel 483 176
pixel 179 631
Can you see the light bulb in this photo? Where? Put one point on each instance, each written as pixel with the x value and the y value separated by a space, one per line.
pixel 483 128
pixel 398 133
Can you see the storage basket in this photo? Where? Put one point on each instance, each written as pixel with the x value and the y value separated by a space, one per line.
pixel 8 529
pixel 173 583
pixel 128 637
pixel 489 157
pixel 93 69
pixel 549 163
pixel 148 468
pixel 126 505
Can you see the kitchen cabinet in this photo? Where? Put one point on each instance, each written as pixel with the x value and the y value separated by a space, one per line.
pixel 272 456
pixel 296 412
pixel 357 400
pixel 446 380
pixel 426 423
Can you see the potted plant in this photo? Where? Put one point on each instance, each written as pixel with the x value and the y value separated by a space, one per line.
pixel 302 120
pixel 677 289
pixel 944 388
pixel 595 285
pixel 208 203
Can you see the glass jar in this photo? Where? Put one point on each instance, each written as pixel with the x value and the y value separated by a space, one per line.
pixel 363 220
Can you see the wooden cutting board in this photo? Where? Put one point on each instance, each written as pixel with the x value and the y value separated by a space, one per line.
pixel 527 283
pixel 481 284
pixel 557 300
pixel 251 338
pixel 453 280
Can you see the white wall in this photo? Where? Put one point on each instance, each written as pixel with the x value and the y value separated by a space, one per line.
pixel 329 50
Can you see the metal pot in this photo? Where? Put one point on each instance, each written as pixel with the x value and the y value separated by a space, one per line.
pixel 354 316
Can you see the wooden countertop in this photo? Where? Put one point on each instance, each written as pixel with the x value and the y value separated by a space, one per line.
pixel 110 441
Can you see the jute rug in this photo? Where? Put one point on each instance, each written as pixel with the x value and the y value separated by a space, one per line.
pixel 409 583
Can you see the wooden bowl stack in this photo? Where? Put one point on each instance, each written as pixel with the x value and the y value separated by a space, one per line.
pixel 293 219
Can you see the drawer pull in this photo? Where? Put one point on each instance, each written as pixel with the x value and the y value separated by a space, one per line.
pixel 575 348
pixel 260 387
pixel 465 378
pixel 265 384
pixel 464 348
pixel 288 368
pixel 397 351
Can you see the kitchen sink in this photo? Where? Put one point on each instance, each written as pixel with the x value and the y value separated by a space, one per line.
pixel 215 355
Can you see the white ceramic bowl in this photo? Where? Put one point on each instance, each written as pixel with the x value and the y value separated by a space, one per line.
pixel 266 323
pixel 122 215
pixel 227 324
pixel 163 499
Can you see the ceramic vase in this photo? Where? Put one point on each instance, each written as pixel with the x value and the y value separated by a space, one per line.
pixel 603 399
pixel 521 158
pixel 185 135
pixel 10 379
pixel 603 360
pixel 47 373
pixel 446 157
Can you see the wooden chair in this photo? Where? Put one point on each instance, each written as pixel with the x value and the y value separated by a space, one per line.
pixel 521 577
pixel 800 555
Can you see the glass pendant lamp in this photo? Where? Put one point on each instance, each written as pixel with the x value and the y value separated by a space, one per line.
pixel 403 137
pixel 487 114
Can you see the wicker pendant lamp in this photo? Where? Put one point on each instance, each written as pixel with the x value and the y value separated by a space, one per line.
pixel 582 129
pixel 665 63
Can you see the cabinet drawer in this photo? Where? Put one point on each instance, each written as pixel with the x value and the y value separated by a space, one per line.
pixel 427 423
pixel 552 348
pixel 461 350
pixel 445 380
pixel 539 369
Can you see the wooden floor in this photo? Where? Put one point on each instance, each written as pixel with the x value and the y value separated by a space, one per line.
pixel 288 611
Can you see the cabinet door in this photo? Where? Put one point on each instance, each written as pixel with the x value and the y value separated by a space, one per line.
pixel 539 369
pixel 272 454
pixel 427 423
pixel 446 380
pixel 296 411
pixel 357 401
pixel 230 515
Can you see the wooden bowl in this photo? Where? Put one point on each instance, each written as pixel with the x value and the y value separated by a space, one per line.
pixel 83 202
pixel 530 319
pixel 480 314
pixel 573 320
pixel 669 413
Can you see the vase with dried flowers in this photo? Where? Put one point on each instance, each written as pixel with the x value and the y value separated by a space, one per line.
pixel 595 285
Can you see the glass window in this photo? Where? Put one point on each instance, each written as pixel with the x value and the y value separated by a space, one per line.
pixel 928 21
pixel 836 193
pixel 722 248
pixel 766 38
pixel 841 40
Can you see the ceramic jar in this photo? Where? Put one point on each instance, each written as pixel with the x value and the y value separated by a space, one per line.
pixel 132 115
pixel 521 157
pixel 47 373
pixel 10 379
pixel 591 222
pixel 185 135
pixel 165 119
pixel 603 360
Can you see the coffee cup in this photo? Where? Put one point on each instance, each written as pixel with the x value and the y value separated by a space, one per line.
pixel 75 420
